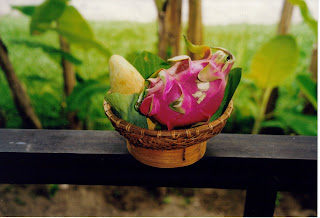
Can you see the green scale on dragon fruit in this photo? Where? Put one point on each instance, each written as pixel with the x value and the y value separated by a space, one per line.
pixel 190 91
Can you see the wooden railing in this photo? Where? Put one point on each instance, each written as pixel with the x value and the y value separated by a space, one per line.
pixel 261 164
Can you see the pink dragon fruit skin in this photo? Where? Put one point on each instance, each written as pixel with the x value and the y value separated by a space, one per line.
pixel 190 91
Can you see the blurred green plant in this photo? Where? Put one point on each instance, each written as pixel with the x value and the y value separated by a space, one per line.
pixel 167 200
pixel 72 28
pixel 270 67
pixel 50 50
pixel 288 116
pixel 273 65
pixel 19 201
pixel 295 119
pixel 306 15
pixel 52 190
pixel 81 98
pixel 64 19
pixel 37 70
pixel 309 88
pixel 278 199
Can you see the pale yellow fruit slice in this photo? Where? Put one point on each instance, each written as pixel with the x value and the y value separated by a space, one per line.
pixel 124 78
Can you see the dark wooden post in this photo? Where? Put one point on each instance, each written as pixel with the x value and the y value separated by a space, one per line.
pixel 261 198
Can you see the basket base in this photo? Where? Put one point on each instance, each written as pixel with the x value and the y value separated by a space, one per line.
pixel 168 158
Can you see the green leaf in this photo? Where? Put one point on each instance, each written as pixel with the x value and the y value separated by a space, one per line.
pixel 273 123
pixel 26 9
pixel 301 124
pixel 147 63
pixel 305 13
pixel 48 49
pixel 37 78
pixel 233 82
pixel 120 104
pixel 99 46
pixel 45 14
pixel 81 96
pixel 274 61
pixel 72 25
pixel 124 107
pixel 309 88
pixel 134 116
pixel 77 31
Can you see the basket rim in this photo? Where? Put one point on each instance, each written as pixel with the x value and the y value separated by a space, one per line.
pixel 174 134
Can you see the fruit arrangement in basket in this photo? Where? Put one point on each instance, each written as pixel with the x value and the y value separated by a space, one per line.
pixel 167 112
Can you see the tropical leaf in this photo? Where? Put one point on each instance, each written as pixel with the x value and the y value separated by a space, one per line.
pixel 147 63
pixel 45 14
pixel 124 107
pixel 77 31
pixel 80 97
pixel 274 61
pixel 64 19
pixel 309 88
pixel 52 51
pixel 25 9
pixel 73 26
pixel 99 46
pixel 300 123
pixel 305 13
pixel 36 78
pixel 273 123
pixel 233 82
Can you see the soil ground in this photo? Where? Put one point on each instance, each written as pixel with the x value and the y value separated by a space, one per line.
pixel 81 200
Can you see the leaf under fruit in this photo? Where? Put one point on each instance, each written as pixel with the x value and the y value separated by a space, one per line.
pixel 233 82
pixel 123 106
pixel 147 63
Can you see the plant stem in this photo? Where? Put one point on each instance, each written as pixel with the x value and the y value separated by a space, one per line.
pixel 19 94
pixel 69 81
pixel 269 115
pixel 261 115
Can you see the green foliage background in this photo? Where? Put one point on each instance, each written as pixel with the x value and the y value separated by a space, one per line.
pixel 42 75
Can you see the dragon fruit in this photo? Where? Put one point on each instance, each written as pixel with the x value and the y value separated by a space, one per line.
pixel 190 91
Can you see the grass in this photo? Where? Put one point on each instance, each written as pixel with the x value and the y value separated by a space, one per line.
pixel 42 74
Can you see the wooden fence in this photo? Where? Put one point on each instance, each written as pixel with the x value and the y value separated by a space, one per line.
pixel 261 164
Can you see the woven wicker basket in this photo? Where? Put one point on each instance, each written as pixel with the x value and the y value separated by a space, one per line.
pixel 167 149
